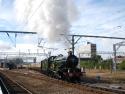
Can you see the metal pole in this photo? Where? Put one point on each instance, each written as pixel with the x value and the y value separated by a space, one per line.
pixel 15 38
pixel 79 61
pixel 73 43
pixel 114 58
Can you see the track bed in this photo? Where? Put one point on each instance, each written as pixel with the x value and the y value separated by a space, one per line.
pixel 38 83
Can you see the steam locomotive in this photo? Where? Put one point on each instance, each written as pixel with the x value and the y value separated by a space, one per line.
pixel 62 68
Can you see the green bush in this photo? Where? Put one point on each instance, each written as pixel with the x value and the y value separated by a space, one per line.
pixel 91 64
pixel 122 65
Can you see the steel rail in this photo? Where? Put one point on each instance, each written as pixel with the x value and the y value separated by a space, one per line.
pixel 23 87
pixel 19 85
pixel 4 86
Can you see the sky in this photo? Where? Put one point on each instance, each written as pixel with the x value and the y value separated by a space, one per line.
pixel 93 17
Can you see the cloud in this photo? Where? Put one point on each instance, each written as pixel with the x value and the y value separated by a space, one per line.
pixel 32 39
pixel 101 17
pixel 7 16
pixel 4 46
pixel 96 15
pixel 0 1
pixel 48 21
pixel 22 47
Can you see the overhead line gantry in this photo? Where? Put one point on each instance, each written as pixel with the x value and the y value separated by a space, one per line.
pixel 73 42
pixel 16 32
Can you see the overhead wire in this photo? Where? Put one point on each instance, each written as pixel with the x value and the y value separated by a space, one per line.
pixel 108 20
pixel 41 3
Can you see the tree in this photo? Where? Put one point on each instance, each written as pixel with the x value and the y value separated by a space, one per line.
pixel 92 63
pixel 96 59
pixel 107 64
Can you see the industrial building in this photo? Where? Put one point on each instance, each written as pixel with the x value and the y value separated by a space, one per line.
pixel 88 50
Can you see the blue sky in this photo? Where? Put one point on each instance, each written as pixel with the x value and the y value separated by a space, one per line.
pixel 101 17
pixel 7 17
pixel 96 17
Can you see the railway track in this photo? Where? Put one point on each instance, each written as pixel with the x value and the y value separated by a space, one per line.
pixel 103 85
pixel 10 86
pixel 115 90
pixel 3 87
pixel 89 82
pixel 80 86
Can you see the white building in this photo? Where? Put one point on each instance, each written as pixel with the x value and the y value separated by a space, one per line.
pixel 88 50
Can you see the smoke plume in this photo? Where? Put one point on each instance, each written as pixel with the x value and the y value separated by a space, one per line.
pixel 49 18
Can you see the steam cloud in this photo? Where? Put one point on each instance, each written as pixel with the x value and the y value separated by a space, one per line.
pixel 49 18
